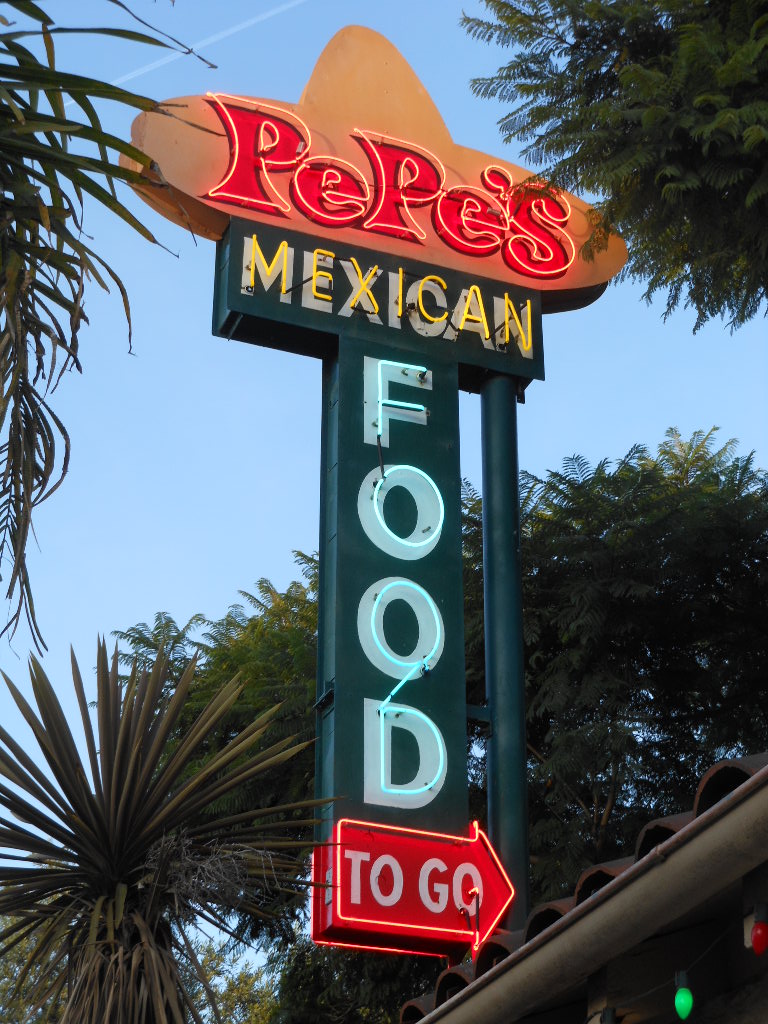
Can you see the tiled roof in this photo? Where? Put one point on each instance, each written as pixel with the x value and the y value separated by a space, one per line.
pixel 722 780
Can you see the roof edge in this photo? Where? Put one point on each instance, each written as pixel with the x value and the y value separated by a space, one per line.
pixel 714 850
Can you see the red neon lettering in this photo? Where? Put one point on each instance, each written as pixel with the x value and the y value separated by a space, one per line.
pixel 405 175
pixel 263 139
pixel 533 249
pixel 525 221
pixel 330 191
pixel 470 220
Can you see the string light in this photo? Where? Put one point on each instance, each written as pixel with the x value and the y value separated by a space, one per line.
pixel 759 936
pixel 683 995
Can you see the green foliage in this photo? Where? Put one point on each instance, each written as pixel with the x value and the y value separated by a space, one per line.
pixel 644 589
pixel 245 994
pixel 54 154
pixel 646 654
pixel 17 1006
pixel 273 650
pixel 330 986
pixel 143 645
pixel 472 564
pixel 474 644
pixel 103 877
pixel 660 109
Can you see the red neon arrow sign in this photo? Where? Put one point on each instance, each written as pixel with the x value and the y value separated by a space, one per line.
pixel 387 887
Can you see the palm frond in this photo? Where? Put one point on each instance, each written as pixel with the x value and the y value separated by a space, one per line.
pixel 50 163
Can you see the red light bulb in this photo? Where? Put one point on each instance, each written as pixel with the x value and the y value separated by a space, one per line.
pixel 760 937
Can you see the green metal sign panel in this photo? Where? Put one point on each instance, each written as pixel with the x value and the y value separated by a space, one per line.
pixel 271 281
pixel 398 339
pixel 392 704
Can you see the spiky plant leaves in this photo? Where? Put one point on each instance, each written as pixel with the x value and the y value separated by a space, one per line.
pixel 107 863
pixel 271 644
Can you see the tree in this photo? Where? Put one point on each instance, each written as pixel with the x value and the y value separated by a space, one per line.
pixel 646 660
pixel 244 994
pixel 103 878
pixel 644 585
pixel 646 654
pixel 660 109
pixel 273 646
pixel 334 986
pixel 53 154
pixel 144 644
pixel 273 650
pixel 17 1005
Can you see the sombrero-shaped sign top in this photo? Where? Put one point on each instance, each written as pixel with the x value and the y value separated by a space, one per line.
pixel 365 157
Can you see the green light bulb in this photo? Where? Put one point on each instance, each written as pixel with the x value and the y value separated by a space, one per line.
pixel 683 1002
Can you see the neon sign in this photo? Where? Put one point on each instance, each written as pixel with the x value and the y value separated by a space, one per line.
pixel 272 164
pixel 392 720
pixel 365 157
pixel 429 508
pixel 290 280
pixel 351 227
pixel 379 376
pixel 419 891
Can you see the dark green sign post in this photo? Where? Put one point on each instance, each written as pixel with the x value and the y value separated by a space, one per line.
pixel 391 258
pixel 398 339
pixel 504 662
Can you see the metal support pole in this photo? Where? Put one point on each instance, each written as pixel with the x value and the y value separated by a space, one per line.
pixel 504 661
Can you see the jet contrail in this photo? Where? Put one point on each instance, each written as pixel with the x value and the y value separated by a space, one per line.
pixel 209 41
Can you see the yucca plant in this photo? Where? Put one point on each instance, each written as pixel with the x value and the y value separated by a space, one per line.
pixel 103 876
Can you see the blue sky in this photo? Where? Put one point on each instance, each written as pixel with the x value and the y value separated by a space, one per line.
pixel 195 462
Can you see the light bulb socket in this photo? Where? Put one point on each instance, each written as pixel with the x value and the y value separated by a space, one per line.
pixel 681 979
pixel 760 913
pixel 608 1015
